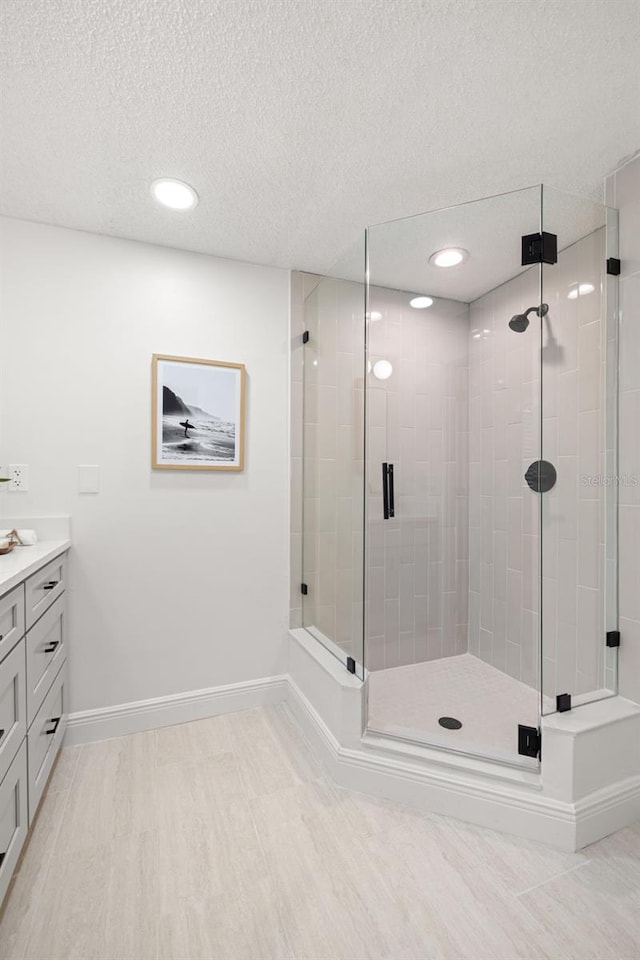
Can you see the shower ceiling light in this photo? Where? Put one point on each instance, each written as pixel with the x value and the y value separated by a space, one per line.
pixel 420 303
pixel 174 194
pixel 580 290
pixel 382 369
pixel 449 257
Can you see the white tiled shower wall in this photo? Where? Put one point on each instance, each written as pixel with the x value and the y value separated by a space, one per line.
pixel 417 564
pixel 622 190
pixel 504 440
pixel 417 419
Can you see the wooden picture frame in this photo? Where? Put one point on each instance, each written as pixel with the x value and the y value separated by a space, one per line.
pixel 197 414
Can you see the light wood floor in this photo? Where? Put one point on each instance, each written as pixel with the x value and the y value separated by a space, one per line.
pixel 223 839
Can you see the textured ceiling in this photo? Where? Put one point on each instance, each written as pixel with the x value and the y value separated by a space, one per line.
pixel 491 231
pixel 301 121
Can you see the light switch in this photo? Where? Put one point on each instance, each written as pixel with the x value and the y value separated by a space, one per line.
pixel 88 478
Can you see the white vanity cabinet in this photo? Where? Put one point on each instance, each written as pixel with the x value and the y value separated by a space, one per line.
pixel 11 619
pixel 33 690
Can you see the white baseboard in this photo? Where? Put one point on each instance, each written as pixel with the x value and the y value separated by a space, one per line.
pixel 607 810
pixel 431 785
pixel 315 729
pixel 105 723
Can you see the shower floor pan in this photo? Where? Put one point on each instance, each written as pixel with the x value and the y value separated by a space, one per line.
pixel 409 701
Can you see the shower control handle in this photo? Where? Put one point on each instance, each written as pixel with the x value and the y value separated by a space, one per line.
pixel 388 497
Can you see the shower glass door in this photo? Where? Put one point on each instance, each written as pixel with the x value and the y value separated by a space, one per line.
pixel 452 529
pixel 333 445
pixel 580 405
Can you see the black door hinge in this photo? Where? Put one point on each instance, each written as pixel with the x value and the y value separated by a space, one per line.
pixel 539 248
pixel 529 741
pixel 613 638
pixel 305 337
pixel 351 665
pixel 613 266
pixel 563 702
pixel 304 589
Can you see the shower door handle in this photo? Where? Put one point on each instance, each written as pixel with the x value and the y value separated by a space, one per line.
pixel 388 499
pixel 385 491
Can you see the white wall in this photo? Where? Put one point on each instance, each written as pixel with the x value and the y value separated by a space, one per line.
pixel 623 191
pixel 178 579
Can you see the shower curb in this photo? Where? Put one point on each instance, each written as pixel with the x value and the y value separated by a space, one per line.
pixel 560 806
pixel 486 800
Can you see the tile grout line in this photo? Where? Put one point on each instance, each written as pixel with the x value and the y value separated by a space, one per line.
pixel 562 873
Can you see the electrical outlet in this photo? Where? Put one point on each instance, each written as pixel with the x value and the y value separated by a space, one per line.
pixel 18 478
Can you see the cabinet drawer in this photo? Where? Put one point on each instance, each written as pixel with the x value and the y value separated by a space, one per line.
pixel 46 650
pixel 45 736
pixel 13 816
pixel 11 619
pixel 13 714
pixel 44 587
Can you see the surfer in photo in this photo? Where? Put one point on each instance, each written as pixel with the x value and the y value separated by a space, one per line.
pixel 187 426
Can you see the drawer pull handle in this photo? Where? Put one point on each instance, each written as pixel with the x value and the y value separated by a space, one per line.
pixel 50 647
pixel 50 585
pixel 55 721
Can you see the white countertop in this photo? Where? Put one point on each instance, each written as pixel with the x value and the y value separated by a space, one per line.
pixel 23 561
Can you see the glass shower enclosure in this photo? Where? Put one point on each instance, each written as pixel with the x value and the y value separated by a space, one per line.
pixel 460 487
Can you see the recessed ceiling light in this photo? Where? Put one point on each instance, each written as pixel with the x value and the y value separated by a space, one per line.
pixel 449 257
pixel 382 369
pixel 580 290
pixel 420 303
pixel 174 194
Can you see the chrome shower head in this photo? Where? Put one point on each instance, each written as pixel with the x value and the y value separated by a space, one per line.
pixel 520 321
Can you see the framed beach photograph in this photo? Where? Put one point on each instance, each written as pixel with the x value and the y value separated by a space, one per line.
pixel 198 414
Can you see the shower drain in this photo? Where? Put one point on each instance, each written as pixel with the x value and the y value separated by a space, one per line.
pixel 450 723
